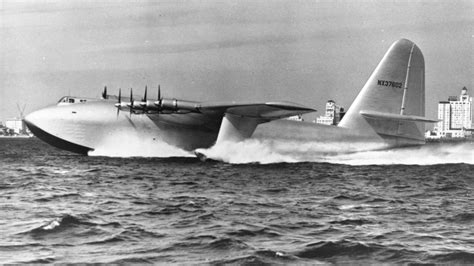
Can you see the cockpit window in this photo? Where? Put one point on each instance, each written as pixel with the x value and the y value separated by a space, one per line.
pixel 68 99
pixel 63 99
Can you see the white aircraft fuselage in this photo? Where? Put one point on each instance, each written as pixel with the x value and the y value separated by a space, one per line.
pixel 388 112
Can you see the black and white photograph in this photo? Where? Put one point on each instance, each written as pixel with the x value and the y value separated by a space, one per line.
pixel 225 132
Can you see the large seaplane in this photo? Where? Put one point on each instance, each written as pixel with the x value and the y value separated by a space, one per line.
pixel 388 111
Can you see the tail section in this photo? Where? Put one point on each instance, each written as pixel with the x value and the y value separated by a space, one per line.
pixel 392 102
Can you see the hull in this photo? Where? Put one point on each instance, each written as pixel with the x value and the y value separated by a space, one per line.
pixel 96 128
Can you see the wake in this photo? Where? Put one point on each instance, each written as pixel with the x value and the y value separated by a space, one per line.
pixel 265 151
pixel 429 154
pixel 274 151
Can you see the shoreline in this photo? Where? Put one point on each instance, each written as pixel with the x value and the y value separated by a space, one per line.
pixel 17 137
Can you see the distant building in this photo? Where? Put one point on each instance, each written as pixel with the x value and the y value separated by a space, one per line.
pixel 6 131
pixel 17 125
pixel 455 116
pixel 333 115
pixel 298 118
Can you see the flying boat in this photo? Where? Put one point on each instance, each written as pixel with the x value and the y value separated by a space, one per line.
pixel 389 112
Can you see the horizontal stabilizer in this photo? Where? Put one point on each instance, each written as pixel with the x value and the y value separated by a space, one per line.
pixel 397 117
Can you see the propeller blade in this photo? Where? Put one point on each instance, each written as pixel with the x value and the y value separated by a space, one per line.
pixel 131 101
pixel 159 97
pixel 158 102
pixel 144 103
pixel 104 93
pixel 159 93
pixel 144 98
pixel 119 104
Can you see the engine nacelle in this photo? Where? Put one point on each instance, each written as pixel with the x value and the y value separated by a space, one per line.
pixel 177 105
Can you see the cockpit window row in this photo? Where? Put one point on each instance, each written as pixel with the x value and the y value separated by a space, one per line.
pixel 67 99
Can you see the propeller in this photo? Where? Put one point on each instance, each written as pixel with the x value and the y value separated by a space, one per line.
pixel 144 103
pixel 160 100
pixel 119 104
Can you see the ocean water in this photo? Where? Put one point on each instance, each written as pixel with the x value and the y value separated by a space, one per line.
pixel 400 206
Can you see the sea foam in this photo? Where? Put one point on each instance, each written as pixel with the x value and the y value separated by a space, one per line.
pixel 275 151
pixel 129 145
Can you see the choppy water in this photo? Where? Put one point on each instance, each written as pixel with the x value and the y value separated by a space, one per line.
pixel 59 207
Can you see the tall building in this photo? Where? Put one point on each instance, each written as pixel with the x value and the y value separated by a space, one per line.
pixel 455 116
pixel 333 115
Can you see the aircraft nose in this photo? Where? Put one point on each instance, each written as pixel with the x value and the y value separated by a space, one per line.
pixel 33 120
pixel 37 122
pixel 46 124
pixel 30 119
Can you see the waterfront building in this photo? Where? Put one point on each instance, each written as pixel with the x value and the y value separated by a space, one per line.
pixel 333 114
pixel 298 118
pixel 455 116
pixel 17 125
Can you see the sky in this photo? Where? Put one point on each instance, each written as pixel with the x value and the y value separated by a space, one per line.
pixel 300 51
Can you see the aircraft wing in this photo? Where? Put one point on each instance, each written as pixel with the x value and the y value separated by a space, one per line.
pixel 229 120
pixel 266 111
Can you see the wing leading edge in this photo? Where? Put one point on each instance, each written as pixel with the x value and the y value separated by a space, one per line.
pixel 266 111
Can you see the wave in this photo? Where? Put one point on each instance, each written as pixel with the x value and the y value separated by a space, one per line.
pixel 327 249
pixel 263 232
pixel 465 217
pixel 343 251
pixel 225 244
pixel 351 222
pixel 276 151
pixel 67 222
pixel 56 197
pixel 458 257
pixel 260 257
pixel 56 225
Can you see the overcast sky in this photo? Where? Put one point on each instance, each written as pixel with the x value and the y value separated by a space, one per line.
pixel 301 51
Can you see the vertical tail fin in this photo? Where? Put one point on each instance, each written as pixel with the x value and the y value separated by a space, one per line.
pixel 394 91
